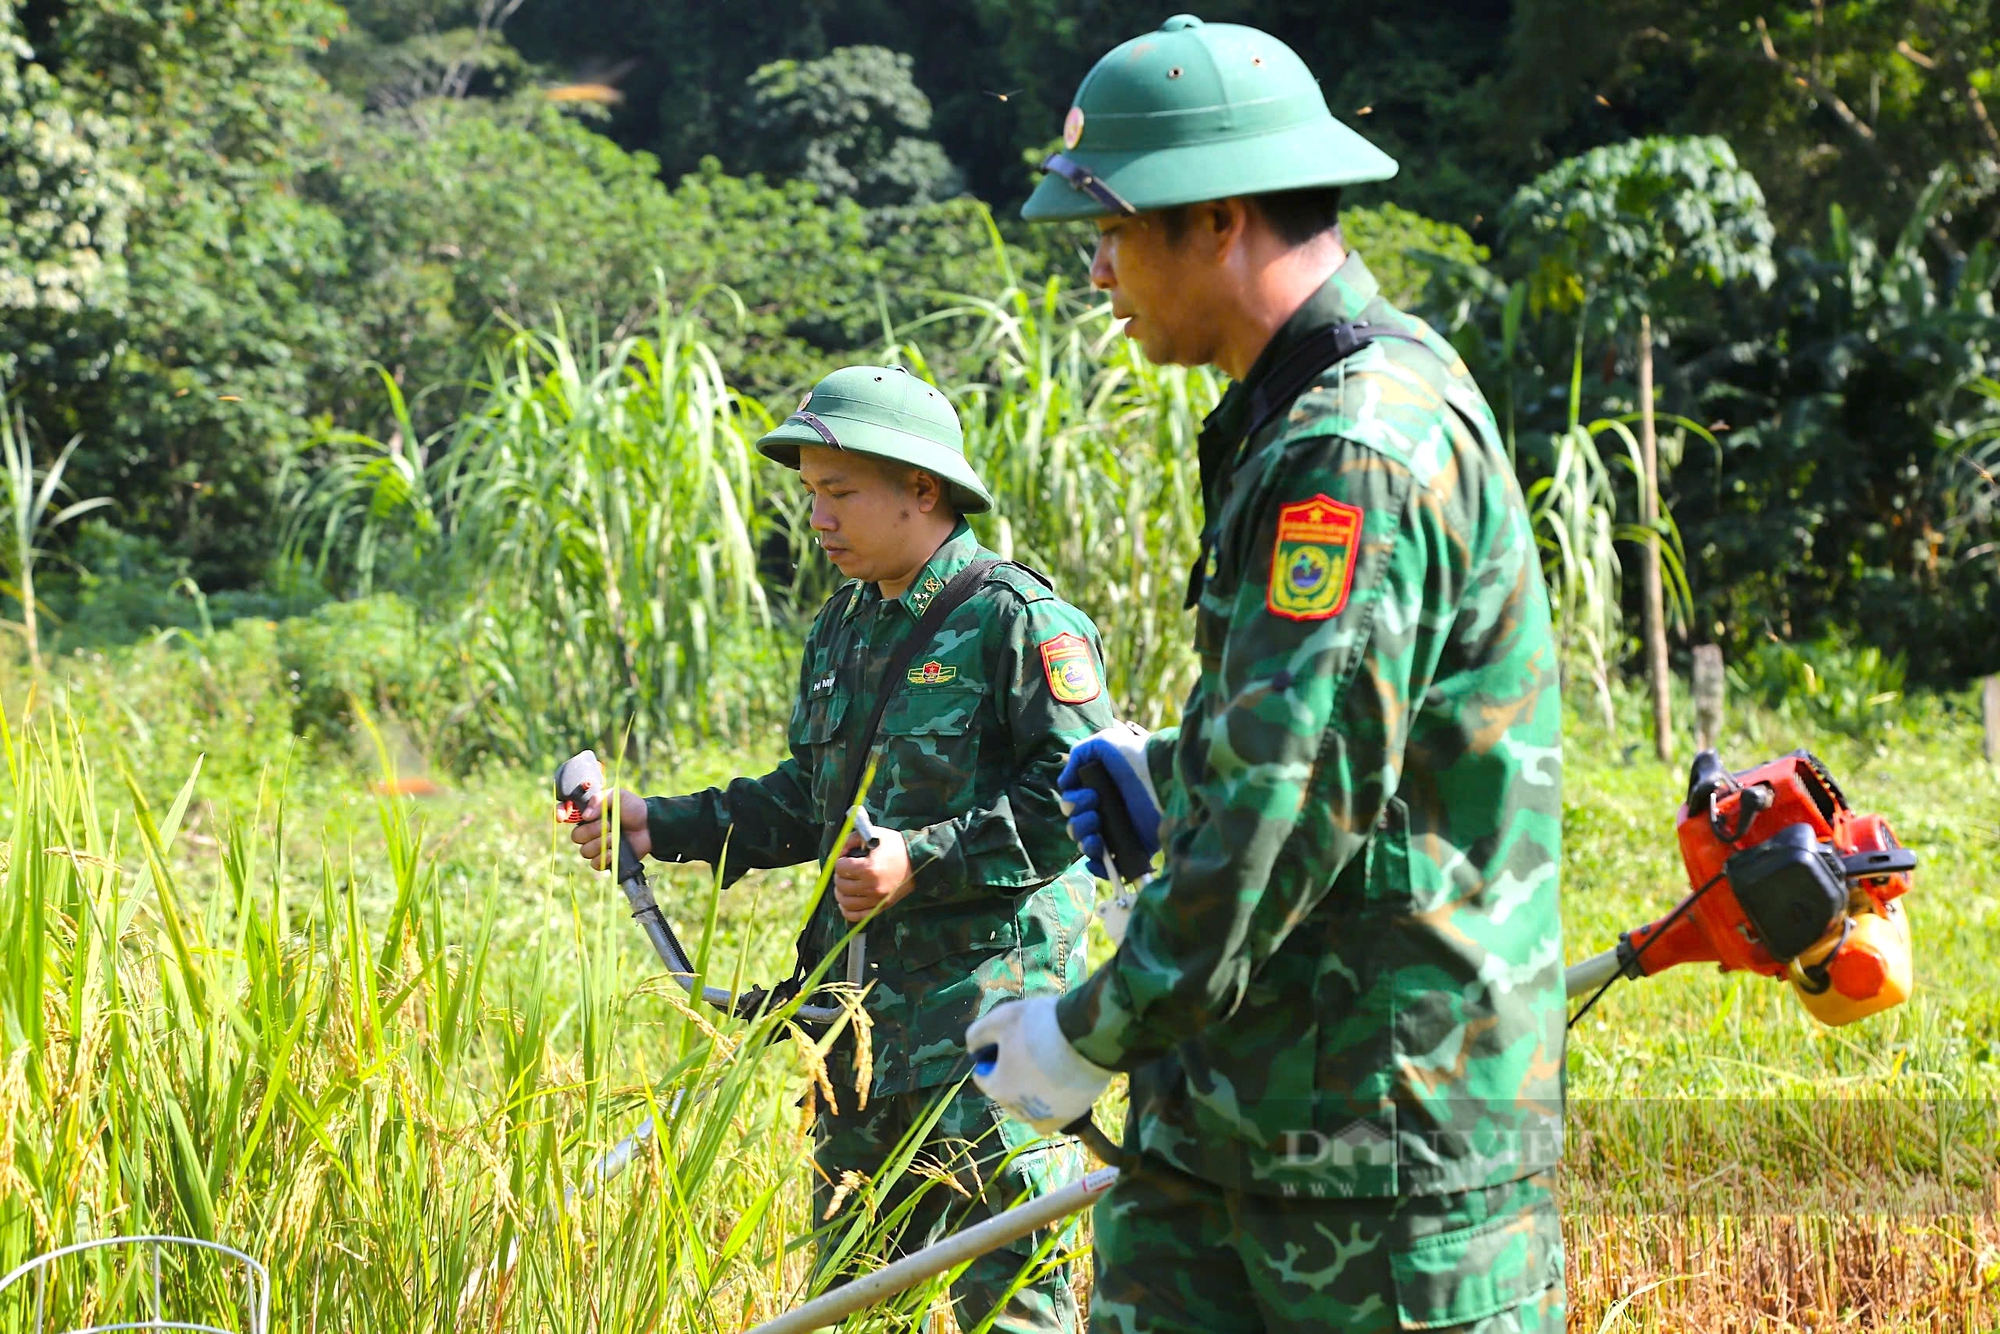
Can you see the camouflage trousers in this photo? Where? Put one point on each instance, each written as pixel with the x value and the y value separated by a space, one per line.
pixel 1175 1253
pixel 970 1144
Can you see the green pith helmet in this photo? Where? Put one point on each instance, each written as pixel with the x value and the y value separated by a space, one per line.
pixel 1192 112
pixel 888 413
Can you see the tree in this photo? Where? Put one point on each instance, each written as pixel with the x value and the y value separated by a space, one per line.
pixel 1859 396
pixel 1857 104
pixel 1404 249
pixel 1628 229
pixel 63 205
pixel 188 390
pixel 850 125
pixel 396 55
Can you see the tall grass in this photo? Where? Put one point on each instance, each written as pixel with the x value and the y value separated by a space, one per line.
pixel 589 531
pixel 353 1071
pixel 31 493
pixel 586 536
pixel 1574 507
pixel 1089 450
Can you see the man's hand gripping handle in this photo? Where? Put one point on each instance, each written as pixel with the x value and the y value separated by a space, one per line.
pixel 580 778
pixel 1126 856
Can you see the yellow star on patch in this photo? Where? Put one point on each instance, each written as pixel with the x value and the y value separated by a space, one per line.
pixel 1312 563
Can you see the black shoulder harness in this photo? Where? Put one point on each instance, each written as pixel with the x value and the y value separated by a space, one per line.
pixel 1320 352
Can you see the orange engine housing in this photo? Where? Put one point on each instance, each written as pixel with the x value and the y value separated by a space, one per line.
pixel 1728 814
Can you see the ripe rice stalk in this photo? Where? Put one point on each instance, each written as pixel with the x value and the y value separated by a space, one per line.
pixel 361 1075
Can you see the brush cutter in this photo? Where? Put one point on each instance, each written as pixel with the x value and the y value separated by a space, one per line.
pixel 579 777
pixel 1788 881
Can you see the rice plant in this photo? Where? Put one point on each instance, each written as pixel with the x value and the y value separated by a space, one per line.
pixel 357 1074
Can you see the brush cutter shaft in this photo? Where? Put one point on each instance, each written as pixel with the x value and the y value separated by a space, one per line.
pixel 582 776
pixel 832 1307
pixel 647 914
pixel 1593 972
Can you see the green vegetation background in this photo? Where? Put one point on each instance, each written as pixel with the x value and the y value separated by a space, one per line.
pixel 416 348
pixel 222 216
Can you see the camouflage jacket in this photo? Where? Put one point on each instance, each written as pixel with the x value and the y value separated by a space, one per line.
pixel 970 746
pixel 1347 979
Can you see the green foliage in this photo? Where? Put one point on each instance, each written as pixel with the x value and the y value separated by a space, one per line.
pixel 31 493
pixel 373 653
pixel 481 209
pixel 586 537
pixel 1859 104
pixel 1001 73
pixel 1829 684
pixel 1861 426
pixel 188 391
pixel 1405 250
pixel 1632 225
pixel 849 124
pixel 112 587
pixel 292 237
pixel 63 205
pixel 170 697
pixel 404 55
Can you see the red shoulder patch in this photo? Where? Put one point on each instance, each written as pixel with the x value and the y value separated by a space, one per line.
pixel 1312 562
pixel 1071 669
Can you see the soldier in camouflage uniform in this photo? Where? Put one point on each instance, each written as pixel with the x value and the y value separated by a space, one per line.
pixel 976 890
pixel 1340 1000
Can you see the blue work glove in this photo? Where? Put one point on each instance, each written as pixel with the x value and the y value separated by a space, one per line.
pixel 1022 1061
pixel 1121 748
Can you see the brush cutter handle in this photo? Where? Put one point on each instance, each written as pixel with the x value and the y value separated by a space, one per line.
pixel 582 777
pixel 830 1308
pixel 864 828
pixel 1125 854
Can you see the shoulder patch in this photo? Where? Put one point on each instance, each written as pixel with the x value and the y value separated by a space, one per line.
pixel 1066 662
pixel 1312 563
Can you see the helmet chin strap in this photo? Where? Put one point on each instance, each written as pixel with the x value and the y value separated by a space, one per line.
pixel 1082 178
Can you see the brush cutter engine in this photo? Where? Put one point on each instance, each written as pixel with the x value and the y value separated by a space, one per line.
pixel 1788 880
